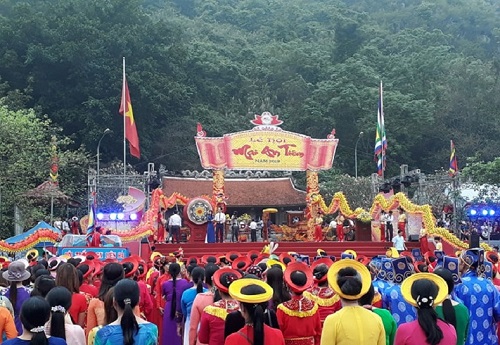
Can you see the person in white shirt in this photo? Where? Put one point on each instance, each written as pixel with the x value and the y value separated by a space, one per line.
pixel 220 220
pixel 260 227
pixel 58 223
pixel 399 242
pixel 253 230
pixel 174 224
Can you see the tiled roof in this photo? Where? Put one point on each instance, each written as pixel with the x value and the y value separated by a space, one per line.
pixel 268 192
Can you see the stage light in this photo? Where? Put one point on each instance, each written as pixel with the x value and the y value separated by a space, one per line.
pixel 100 216
pixel 492 212
pixel 120 216
pixel 473 212
pixel 133 216
pixel 485 212
pixel 112 216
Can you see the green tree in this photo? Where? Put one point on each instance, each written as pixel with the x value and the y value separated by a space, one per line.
pixel 483 172
pixel 26 157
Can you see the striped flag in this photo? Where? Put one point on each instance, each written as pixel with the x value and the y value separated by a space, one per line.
pixel 380 137
pixel 91 225
pixel 453 171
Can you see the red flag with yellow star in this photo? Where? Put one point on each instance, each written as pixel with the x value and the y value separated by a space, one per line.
pixel 130 128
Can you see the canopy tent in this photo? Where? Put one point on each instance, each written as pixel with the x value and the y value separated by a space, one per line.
pixel 41 225
pixel 49 189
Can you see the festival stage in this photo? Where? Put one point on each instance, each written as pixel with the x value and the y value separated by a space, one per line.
pixel 368 248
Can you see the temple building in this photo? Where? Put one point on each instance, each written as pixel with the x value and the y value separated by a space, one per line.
pixel 248 195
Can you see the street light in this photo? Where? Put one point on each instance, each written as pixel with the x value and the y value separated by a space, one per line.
pixel 356 155
pixel 106 131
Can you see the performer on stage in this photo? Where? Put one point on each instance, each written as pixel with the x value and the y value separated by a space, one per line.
pixel 424 243
pixel 402 220
pixel 389 229
pixel 299 318
pixel 318 228
pixel 175 223
pixel 210 228
pixel 340 227
pixel 235 227
pixel 160 236
pixel 96 237
pixel 220 221
pixel 382 225
pixel 75 229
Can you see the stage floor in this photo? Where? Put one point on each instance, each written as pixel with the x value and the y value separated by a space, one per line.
pixel 369 249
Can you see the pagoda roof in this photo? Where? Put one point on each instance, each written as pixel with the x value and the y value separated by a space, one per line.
pixel 241 192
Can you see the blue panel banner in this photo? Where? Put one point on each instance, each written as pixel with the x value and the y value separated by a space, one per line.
pixel 104 253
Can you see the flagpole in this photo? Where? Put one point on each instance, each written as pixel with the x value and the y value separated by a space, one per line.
pixel 124 105
pixel 382 128
pixel 455 185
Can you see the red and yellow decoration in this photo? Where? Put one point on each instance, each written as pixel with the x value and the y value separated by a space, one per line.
pixel 339 203
pixel 218 197
pixel 149 220
pixel 265 147
pixel 41 235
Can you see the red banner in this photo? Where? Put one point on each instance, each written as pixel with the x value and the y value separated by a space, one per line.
pixel 266 147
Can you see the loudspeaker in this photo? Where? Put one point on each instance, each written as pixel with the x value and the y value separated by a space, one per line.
pixel 413 238
pixel 474 240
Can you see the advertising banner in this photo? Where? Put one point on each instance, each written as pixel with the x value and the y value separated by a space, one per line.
pixel 266 147
pixel 103 252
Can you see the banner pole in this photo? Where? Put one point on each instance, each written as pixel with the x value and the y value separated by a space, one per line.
pixel 124 105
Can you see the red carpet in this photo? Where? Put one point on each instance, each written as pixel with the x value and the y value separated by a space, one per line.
pixel 369 249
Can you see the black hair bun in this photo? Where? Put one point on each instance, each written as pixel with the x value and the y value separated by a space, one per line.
pixel 349 281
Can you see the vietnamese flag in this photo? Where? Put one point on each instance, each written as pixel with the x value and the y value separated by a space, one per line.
pixel 129 123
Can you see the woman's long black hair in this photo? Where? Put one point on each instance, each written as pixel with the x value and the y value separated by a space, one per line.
pixel 35 312
pixel 448 310
pixel 256 312
pixel 13 294
pixel 274 277
pixel 174 269
pixel 198 275
pixel 126 293
pixel 59 299
pixel 112 273
pixel 210 269
pixel 427 317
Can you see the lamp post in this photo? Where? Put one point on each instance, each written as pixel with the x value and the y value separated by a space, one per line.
pixel 106 131
pixel 356 155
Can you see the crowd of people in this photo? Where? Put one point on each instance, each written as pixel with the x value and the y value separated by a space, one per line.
pixel 252 298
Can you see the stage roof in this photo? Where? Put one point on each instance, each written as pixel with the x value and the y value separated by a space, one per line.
pixel 262 192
